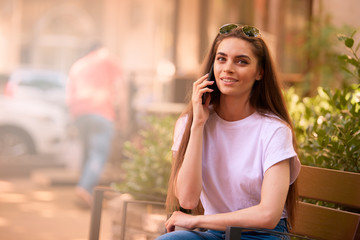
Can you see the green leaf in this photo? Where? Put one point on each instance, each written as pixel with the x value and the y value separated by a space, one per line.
pixel 353 34
pixel 343 57
pixel 353 62
pixel 349 42
pixel 347 70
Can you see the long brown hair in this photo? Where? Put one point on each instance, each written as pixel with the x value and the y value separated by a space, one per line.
pixel 266 97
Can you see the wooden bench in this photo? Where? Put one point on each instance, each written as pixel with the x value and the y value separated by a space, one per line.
pixel 318 222
pixel 312 221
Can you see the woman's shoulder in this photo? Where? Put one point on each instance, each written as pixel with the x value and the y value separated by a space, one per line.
pixel 179 131
pixel 181 122
pixel 273 120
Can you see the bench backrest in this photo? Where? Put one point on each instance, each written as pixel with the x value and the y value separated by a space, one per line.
pixel 339 187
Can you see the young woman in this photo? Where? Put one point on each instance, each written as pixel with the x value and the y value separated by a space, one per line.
pixel 234 155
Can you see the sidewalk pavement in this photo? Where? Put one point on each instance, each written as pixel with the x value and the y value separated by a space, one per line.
pixel 35 209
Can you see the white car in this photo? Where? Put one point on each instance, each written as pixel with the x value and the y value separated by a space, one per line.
pixel 37 83
pixel 30 127
pixel 32 113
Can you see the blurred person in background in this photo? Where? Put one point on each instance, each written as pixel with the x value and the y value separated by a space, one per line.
pixel 97 99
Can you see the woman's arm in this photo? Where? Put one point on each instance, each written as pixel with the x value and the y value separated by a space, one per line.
pixel 264 215
pixel 189 178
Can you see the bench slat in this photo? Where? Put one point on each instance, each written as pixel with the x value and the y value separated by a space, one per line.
pixel 330 185
pixel 325 223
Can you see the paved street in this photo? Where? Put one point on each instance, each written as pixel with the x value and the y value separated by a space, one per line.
pixel 35 207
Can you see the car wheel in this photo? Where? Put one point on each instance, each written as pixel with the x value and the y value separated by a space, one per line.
pixel 15 142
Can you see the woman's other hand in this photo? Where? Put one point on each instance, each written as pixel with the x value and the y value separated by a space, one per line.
pixel 180 219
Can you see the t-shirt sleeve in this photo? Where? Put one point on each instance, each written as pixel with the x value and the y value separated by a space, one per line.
pixel 280 147
pixel 179 132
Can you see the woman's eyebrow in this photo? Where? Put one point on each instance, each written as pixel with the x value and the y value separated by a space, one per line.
pixel 221 53
pixel 243 56
pixel 239 56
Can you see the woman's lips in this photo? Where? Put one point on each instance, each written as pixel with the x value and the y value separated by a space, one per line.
pixel 228 80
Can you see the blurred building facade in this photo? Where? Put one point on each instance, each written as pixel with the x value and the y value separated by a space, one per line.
pixel 161 43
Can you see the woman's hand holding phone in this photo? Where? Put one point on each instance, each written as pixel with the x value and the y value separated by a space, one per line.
pixel 200 88
pixel 211 78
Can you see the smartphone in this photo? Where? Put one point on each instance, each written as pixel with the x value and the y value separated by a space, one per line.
pixel 214 86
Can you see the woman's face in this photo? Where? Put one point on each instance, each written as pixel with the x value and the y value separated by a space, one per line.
pixel 236 68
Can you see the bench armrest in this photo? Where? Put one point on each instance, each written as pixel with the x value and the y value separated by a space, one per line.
pixel 234 233
pixel 97 207
pixel 96 211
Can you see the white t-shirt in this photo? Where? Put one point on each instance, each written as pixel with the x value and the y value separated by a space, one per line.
pixel 235 157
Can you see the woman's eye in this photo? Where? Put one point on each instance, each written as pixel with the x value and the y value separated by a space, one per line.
pixel 241 61
pixel 221 59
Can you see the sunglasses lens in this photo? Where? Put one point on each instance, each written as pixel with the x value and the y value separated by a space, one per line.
pixel 227 28
pixel 251 31
pixel 248 30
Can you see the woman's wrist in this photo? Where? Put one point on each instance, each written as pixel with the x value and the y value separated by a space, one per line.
pixel 197 124
pixel 196 129
pixel 197 221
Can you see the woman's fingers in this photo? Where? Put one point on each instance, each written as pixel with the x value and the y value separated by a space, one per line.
pixel 201 79
pixel 201 111
pixel 200 87
pixel 169 225
pixel 170 228
pixel 203 82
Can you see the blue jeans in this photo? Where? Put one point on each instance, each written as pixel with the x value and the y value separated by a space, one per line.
pixel 220 235
pixel 96 133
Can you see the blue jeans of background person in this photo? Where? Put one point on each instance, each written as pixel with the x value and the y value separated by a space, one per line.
pixel 96 133
pixel 220 235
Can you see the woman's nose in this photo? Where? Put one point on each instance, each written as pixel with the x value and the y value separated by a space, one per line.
pixel 228 67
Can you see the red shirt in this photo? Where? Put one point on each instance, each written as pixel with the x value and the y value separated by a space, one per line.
pixel 93 81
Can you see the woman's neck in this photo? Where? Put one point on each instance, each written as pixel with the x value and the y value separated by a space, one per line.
pixel 233 109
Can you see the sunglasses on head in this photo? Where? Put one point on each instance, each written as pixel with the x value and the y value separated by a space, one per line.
pixel 246 29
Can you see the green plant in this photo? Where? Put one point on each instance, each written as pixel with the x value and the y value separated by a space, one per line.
pixel 327 126
pixel 353 59
pixel 333 141
pixel 148 160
